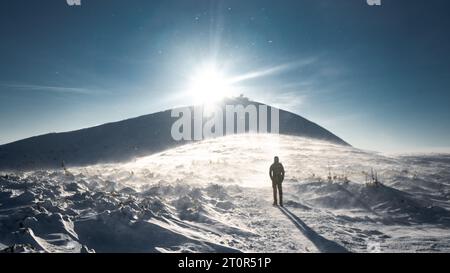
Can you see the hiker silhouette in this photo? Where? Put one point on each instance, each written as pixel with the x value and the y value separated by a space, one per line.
pixel 276 173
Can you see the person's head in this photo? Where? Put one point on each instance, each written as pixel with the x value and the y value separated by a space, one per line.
pixel 276 159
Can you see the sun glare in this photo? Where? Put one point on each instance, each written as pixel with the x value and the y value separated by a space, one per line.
pixel 209 85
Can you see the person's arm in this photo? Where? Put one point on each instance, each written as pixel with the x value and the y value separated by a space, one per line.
pixel 282 172
pixel 271 172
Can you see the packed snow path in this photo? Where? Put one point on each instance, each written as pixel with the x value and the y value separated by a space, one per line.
pixel 215 195
pixel 280 228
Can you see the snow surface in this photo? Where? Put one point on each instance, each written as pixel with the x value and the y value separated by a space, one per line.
pixel 215 196
pixel 125 140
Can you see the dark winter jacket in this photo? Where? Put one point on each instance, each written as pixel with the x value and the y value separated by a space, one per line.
pixel 276 172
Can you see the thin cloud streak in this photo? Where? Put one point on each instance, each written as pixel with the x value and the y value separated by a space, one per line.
pixel 54 89
pixel 272 70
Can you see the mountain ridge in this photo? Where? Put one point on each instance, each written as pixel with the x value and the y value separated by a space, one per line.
pixel 127 139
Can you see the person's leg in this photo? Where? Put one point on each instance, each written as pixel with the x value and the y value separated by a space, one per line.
pixel 280 192
pixel 274 187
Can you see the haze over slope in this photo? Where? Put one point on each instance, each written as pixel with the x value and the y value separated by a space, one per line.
pixel 125 140
pixel 215 195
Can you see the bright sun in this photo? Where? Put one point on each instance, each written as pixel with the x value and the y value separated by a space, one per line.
pixel 209 85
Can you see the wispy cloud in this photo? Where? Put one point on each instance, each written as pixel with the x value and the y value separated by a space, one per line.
pixel 274 70
pixel 50 88
pixel 288 95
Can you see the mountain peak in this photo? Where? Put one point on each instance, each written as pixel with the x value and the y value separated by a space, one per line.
pixel 127 139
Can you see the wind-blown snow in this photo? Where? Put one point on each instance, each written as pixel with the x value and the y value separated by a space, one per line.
pixel 121 141
pixel 215 195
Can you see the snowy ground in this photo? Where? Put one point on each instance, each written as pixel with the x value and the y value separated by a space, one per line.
pixel 215 195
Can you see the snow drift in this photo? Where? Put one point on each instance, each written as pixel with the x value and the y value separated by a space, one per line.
pixel 214 196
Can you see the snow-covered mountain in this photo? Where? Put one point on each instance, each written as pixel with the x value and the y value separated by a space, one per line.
pixel 215 195
pixel 125 140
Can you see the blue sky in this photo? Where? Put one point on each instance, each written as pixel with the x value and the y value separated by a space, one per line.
pixel 376 76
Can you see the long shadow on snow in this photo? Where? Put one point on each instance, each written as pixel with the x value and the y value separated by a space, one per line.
pixel 322 244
